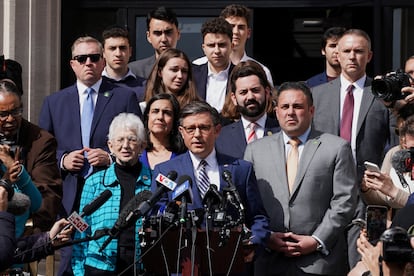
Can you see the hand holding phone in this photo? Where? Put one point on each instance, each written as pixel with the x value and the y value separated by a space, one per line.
pixel 372 167
pixel 376 219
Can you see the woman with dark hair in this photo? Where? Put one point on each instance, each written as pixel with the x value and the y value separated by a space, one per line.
pixel 172 74
pixel 161 124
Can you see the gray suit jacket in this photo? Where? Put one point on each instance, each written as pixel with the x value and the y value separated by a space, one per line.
pixel 142 67
pixel 375 126
pixel 322 202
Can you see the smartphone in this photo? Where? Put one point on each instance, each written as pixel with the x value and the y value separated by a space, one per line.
pixel 376 219
pixel 371 166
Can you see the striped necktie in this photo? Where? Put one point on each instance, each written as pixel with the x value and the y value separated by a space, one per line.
pixel 203 182
pixel 252 134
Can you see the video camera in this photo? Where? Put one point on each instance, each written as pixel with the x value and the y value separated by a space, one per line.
pixel 388 87
pixel 396 245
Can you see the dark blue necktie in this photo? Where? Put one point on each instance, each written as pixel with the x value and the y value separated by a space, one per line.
pixel 86 123
pixel 203 181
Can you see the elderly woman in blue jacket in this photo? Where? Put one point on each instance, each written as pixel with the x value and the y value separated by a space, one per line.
pixel 125 178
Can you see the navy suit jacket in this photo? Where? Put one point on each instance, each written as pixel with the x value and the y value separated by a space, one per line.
pixel 232 138
pixel 200 73
pixel 60 115
pixel 243 178
pixel 317 79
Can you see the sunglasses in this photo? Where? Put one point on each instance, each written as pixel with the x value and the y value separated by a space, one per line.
pixel 83 58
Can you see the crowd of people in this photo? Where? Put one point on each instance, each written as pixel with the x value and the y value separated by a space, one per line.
pixel 288 158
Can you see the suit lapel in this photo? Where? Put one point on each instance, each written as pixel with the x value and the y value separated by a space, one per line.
pixel 277 149
pixel 311 146
pixel 366 102
pixel 74 108
pixel 238 131
pixel 104 96
pixel 336 98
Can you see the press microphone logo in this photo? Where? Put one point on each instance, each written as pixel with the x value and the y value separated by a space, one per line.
pixel 165 181
pixel 181 189
pixel 78 222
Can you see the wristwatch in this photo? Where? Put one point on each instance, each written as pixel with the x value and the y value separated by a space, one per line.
pixel 319 248
pixel 322 250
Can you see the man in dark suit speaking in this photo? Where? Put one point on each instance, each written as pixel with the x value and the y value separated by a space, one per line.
pixel 199 127
pixel 307 182
pixel 79 117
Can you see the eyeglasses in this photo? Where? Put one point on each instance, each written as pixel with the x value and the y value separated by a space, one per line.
pixel 204 129
pixel 132 140
pixel 83 58
pixel 14 113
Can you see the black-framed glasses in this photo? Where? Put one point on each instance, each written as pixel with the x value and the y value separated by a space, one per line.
pixel 204 129
pixel 14 113
pixel 83 58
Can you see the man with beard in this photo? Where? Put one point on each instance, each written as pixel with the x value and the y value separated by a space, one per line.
pixel 250 92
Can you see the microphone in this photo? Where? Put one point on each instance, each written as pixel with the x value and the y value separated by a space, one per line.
pixel 232 188
pixel 166 184
pixel 76 220
pixel 401 161
pixel 122 221
pixel 184 193
pixel 18 203
pixel 96 203
pixel 212 197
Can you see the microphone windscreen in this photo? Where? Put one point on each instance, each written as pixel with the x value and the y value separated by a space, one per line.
pixel 19 204
pixel 401 161
pixel 172 175
pixel 131 206
pixel 213 195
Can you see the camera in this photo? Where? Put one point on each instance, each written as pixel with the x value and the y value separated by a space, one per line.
pixel 396 245
pixel 388 88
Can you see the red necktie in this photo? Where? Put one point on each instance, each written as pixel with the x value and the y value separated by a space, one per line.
pixel 347 114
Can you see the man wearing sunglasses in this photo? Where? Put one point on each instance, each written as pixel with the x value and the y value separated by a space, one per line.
pixel 79 117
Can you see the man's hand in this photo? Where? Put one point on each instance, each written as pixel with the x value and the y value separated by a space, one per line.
pixel 73 161
pixel 292 245
pixel 97 157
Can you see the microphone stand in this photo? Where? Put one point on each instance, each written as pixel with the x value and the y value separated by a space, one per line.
pixel 194 219
pixel 149 249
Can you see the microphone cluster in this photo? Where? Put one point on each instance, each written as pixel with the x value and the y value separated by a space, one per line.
pixel 223 210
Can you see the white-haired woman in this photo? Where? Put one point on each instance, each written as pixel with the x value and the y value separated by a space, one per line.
pixel 125 178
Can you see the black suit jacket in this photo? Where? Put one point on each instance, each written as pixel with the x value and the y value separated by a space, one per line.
pixel 200 73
